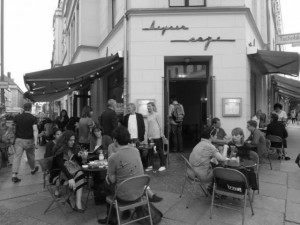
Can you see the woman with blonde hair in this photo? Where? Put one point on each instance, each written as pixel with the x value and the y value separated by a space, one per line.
pixel 155 134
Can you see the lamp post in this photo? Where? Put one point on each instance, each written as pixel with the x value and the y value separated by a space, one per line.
pixel 2 53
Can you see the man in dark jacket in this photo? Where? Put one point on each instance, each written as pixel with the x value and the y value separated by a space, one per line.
pixel 134 122
pixel 278 129
pixel 109 119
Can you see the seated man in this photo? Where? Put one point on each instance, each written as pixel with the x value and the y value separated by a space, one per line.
pixel 221 138
pixel 278 129
pixel 256 139
pixel 124 163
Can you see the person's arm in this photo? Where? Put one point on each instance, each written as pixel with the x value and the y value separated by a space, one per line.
pixel 61 164
pixel 106 141
pixel 285 133
pixel 114 120
pixel 111 173
pixel 143 129
pixel 159 124
pixel 255 138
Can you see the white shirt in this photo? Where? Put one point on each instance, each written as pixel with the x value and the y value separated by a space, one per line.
pixel 281 116
pixel 132 126
pixel 256 119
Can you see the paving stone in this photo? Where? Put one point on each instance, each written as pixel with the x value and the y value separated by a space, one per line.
pixel 166 221
pixel 289 223
pixel 273 190
pixel 292 212
pixel 268 203
pixel 287 166
pixel 293 195
pixel 274 177
pixel 294 180
pixel 169 200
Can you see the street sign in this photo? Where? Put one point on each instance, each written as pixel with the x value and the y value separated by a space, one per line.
pixel 288 39
pixel 3 84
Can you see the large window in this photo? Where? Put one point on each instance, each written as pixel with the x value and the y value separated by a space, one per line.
pixel 187 3
pixel 187 71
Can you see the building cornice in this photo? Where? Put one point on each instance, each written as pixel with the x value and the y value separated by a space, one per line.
pixel 187 11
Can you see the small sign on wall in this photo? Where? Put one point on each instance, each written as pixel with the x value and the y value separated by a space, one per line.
pixel 232 107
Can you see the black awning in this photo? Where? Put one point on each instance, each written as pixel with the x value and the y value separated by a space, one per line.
pixel 286 86
pixel 51 84
pixel 275 62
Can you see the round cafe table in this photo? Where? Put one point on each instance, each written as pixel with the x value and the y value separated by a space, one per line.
pixel 98 175
pixel 234 164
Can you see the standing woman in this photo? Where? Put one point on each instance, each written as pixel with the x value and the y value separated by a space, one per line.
pixel 68 160
pixel 85 127
pixel 63 120
pixel 155 134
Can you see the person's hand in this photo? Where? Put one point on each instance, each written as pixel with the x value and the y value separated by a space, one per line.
pixel 72 184
pixel 36 146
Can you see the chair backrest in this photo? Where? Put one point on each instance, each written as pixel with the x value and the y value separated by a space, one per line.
pixel 274 138
pixel 188 165
pixel 133 188
pixel 268 144
pixel 46 164
pixel 230 179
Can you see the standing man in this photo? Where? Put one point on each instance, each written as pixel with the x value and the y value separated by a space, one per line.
pixel 134 122
pixel 176 115
pixel 26 139
pixel 256 138
pixel 109 119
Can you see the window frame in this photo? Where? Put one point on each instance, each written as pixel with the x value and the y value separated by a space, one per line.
pixel 186 4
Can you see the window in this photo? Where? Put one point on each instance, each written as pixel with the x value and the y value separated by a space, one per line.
pixel 187 3
pixel 187 71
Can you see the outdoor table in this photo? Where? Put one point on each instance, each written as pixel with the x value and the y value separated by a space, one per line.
pixel 98 175
pixel 246 166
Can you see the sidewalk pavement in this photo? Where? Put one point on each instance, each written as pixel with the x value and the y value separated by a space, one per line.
pixel 278 202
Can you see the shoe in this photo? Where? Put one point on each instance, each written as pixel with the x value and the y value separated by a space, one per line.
pixel 57 195
pixel 15 179
pixel 78 210
pixel 162 168
pixel 155 198
pixel 35 170
pixel 286 158
pixel 149 168
pixel 279 157
pixel 103 221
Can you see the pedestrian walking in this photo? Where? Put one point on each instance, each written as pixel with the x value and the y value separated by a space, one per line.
pixel 26 140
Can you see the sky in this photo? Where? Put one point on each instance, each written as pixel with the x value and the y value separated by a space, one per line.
pixel 28 34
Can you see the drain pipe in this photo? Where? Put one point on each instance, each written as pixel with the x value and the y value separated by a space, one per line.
pixel 125 66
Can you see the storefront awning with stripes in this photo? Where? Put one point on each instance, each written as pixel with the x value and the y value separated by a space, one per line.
pixel 51 84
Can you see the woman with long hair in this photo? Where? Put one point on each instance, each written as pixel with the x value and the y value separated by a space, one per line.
pixel 238 146
pixel 85 127
pixel 99 141
pixel 68 160
pixel 63 120
pixel 155 135
pixel 50 144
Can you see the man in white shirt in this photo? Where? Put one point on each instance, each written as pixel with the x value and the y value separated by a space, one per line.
pixel 280 113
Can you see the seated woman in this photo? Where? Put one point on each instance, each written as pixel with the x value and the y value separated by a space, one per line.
pixel 240 147
pixel 202 155
pixel 99 141
pixel 68 160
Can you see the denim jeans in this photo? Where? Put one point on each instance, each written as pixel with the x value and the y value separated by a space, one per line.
pixel 20 146
pixel 176 137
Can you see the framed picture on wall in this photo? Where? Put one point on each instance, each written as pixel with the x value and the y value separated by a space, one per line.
pixel 232 107
pixel 141 105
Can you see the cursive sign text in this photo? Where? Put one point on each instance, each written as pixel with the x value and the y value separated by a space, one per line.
pixel 165 28
pixel 208 40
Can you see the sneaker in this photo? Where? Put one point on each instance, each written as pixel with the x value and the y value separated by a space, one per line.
pixel 15 179
pixel 162 168
pixel 35 170
pixel 286 158
pixel 149 168
pixel 155 198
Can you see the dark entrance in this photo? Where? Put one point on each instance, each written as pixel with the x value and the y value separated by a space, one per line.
pixel 188 82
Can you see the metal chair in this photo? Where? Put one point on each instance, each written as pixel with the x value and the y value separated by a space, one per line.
pixel 193 180
pixel 278 140
pixel 268 145
pixel 135 189
pixel 46 167
pixel 231 183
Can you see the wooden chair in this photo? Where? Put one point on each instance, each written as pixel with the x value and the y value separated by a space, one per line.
pixel 195 180
pixel 231 183
pixel 135 187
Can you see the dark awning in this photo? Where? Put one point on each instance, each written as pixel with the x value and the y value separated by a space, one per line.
pixel 51 84
pixel 275 62
pixel 286 86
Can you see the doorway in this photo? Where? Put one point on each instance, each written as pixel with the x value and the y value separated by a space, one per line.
pixel 188 82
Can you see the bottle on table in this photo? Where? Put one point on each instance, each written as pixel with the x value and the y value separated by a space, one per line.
pixel 101 155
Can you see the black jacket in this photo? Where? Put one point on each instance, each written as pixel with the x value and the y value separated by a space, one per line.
pixel 140 125
pixel 109 121
pixel 277 129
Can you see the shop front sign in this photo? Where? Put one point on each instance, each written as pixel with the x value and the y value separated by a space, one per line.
pixel 207 40
pixel 165 28
pixel 288 39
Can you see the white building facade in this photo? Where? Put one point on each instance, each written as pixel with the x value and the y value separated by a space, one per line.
pixel 193 49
